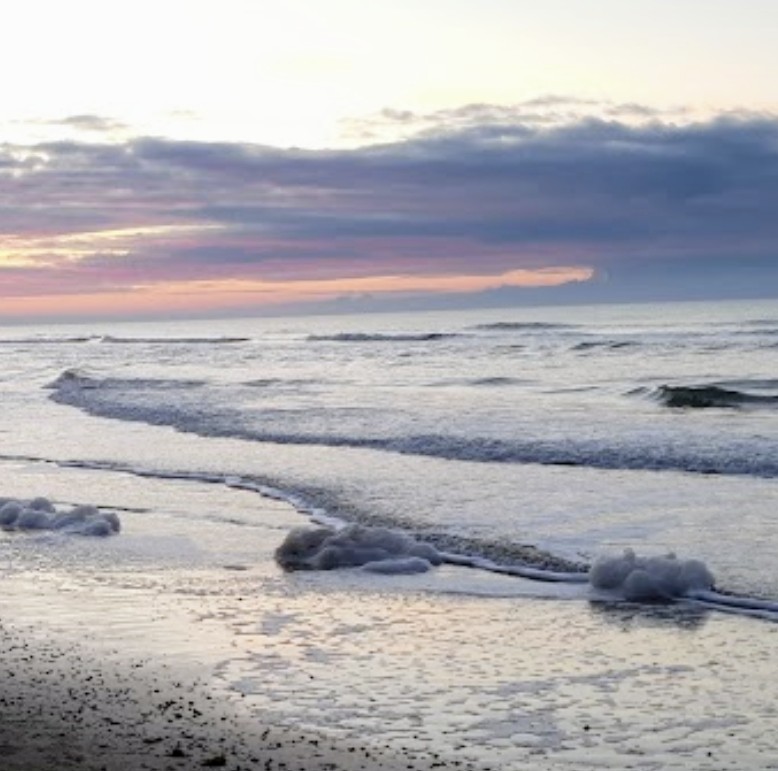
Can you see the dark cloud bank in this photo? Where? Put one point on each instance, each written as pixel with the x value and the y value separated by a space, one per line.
pixel 659 211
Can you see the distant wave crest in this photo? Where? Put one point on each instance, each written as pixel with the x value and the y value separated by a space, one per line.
pixel 50 340
pixel 111 339
pixel 369 337
pixel 279 382
pixel 495 381
pixel 610 345
pixel 521 326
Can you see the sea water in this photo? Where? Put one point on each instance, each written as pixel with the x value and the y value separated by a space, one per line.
pixel 544 436
pixel 533 442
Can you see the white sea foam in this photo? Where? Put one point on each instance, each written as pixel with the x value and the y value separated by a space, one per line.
pixel 324 548
pixel 650 579
pixel 400 566
pixel 41 514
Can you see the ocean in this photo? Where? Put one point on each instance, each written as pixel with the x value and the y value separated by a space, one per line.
pixel 533 441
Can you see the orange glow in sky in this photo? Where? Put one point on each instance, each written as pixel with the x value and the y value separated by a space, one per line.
pixel 181 297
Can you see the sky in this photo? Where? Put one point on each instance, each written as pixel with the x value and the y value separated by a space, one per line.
pixel 218 157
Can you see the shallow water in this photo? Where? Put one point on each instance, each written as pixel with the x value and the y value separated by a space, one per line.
pixel 487 431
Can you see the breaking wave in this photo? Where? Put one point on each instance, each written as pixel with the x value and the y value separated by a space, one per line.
pixel 120 399
pixel 77 380
pixel 712 396
pixel 365 337
pixel 41 514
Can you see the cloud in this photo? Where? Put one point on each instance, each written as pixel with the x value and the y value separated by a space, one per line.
pixel 550 111
pixel 484 193
pixel 96 123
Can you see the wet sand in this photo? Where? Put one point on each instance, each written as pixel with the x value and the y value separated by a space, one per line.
pixel 345 679
pixel 62 709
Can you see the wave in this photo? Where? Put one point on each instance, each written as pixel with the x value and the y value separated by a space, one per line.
pixel 367 337
pixel 759 327
pixel 760 384
pixel 50 340
pixel 104 398
pixel 522 326
pixel 112 340
pixel 273 382
pixel 496 381
pixel 712 396
pixel 611 345
pixel 763 322
pixel 76 380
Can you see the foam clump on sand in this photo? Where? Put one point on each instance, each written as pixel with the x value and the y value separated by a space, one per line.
pixel 650 579
pixel 398 566
pixel 376 549
pixel 41 514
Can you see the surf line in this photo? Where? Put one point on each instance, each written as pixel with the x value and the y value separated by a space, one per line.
pixel 706 597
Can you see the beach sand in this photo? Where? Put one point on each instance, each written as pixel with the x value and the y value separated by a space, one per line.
pixel 180 644
pixel 63 709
